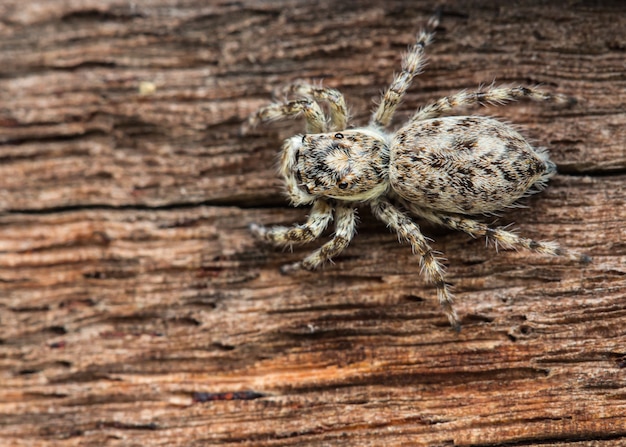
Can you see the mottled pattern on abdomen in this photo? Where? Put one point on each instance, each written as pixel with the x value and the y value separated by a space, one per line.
pixel 463 164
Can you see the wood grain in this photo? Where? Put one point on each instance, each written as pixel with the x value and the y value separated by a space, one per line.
pixel 136 309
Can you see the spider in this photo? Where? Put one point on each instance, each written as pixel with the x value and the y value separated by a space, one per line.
pixel 444 169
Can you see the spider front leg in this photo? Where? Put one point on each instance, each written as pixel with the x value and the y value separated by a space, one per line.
pixel 345 227
pixel 320 217
pixel 315 118
pixel 412 64
pixel 501 236
pixel 410 231
pixel 334 99
pixel 492 95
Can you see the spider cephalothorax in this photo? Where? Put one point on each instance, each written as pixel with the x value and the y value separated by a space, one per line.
pixel 444 169
pixel 350 165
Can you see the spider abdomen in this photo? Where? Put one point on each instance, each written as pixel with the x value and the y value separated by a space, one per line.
pixel 464 164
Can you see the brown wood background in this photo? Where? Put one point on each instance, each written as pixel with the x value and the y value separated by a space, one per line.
pixel 135 309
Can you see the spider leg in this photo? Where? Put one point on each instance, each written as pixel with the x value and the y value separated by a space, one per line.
pixel 334 99
pixel 315 118
pixel 345 227
pixel 492 95
pixel 412 64
pixel 409 230
pixel 320 217
pixel 501 236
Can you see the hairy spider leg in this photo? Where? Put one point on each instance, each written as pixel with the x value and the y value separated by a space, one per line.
pixel 492 95
pixel 499 235
pixel 315 118
pixel 412 64
pixel 321 215
pixel 345 228
pixel 410 231
pixel 335 100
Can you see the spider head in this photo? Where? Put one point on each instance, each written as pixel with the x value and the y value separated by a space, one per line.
pixel 348 165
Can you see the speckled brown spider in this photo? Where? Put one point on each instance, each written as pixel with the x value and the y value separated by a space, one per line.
pixel 444 169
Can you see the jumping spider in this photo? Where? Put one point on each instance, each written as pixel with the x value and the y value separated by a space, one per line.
pixel 444 169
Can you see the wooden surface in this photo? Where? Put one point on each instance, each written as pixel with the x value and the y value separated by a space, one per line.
pixel 135 308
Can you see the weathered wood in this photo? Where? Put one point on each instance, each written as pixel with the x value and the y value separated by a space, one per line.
pixel 135 308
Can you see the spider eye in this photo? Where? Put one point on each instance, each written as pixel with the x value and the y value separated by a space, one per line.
pixel 339 135
pixel 343 185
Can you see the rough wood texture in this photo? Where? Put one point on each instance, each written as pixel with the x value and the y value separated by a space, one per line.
pixel 135 309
